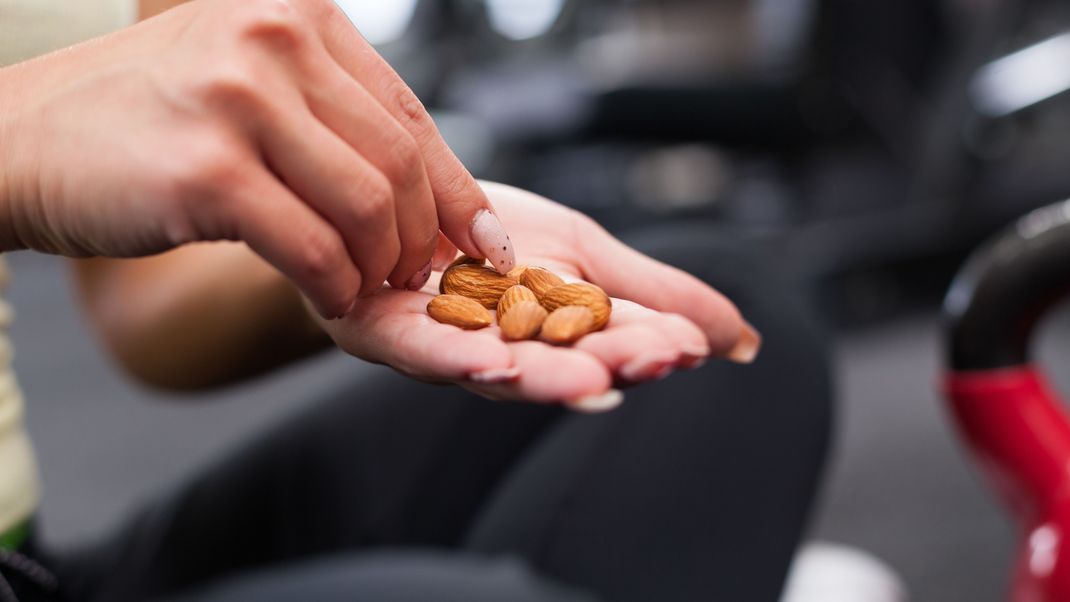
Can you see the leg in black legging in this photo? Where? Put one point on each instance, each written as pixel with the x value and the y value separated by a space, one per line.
pixel 698 488
pixel 407 576
pixel 390 462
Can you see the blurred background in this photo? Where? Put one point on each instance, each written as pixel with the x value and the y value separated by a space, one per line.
pixel 868 145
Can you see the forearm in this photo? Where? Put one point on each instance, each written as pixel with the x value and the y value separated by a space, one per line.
pixel 149 8
pixel 198 317
pixel 12 156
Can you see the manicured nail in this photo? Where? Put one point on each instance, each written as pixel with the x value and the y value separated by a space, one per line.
pixel 419 279
pixel 495 375
pixel 346 312
pixel 693 363
pixel 598 403
pixel 441 261
pixel 696 350
pixel 493 242
pixel 750 342
pixel 693 357
pixel 648 367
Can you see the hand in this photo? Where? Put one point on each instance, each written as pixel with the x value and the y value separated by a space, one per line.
pixel 267 121
pixel 662 319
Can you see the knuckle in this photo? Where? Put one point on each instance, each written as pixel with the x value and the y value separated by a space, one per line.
pixel 277 23
pixel 321 251
pixel 375 201
pixel 209 166
pixel 230 88
pixel 404 164
pixel 409 109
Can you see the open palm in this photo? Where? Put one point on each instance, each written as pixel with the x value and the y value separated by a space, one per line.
pixel 662 319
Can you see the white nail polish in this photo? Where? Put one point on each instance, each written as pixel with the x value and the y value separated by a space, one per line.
pixel 696 350
pixel 495 375
pixel 746 350
pixel 598 403
pixel 695 364
pixel 647 366
pixel 493 242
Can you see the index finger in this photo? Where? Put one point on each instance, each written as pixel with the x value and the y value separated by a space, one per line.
pixel 465 214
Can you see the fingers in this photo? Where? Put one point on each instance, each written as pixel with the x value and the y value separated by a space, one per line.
pixel 445 253
pixel 355 116
pixel 341 186
pixel 297 241
pixel 392 327
pixel 553 374
pixel 624 272
pixel 640 344
pixel 464 213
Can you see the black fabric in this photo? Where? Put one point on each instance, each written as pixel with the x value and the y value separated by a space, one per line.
pixel 391 577
pixel 697 488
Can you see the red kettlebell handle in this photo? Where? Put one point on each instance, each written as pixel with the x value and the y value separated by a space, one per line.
pixel 1012 421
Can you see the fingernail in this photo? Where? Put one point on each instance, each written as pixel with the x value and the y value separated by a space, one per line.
pixel 419 279
pixel 750 342
pixel 441 258
pixel 696 350
pixel 495 375
pixel 441 262
pixel 598 403
pixel 649 366
pixel 493 242
pixel 693 357
pixel 693 363
pixel 352 304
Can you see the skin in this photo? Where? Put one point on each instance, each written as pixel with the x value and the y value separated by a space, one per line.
pixel 271 122
pixel 208 314
pixel 663 319
pixel 661 316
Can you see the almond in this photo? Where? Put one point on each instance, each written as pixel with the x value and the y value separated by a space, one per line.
pixel 516 272
pixel 477 282
pixel 513 295
pixel 459 311
pixel 579 293
pixel 540 280
pixel 523 320
pixel 466 260
pixel 567 324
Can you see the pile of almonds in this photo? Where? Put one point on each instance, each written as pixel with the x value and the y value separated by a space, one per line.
pixel 531 302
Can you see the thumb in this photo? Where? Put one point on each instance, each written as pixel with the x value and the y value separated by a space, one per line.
pixel 628 274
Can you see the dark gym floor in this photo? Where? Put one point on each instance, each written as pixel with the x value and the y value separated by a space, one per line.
pixel 898 487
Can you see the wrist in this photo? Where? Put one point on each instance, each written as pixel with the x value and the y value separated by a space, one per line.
pixel 11 157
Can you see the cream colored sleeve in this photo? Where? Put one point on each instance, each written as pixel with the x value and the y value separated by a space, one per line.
pixel 29 28
pixel 32 27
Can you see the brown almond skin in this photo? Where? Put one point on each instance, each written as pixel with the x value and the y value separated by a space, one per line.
pixel 580 293
pixel 466 260
pixel 459 311
pixel 540 280
pixel 513 295
pixel 523 321
pixel 567 324
pixel 477 282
